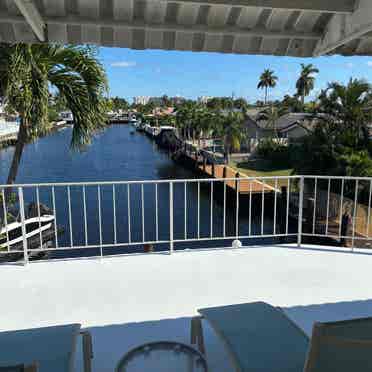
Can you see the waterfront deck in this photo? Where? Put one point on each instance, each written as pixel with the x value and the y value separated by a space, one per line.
pixel 128 300
pixel 224 171
pixel 245 186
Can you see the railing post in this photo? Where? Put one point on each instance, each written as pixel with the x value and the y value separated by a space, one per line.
pixel 171 245
pixel 300 211
pixel 22 213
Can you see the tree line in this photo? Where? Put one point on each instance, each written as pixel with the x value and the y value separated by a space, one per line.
pixel 338 144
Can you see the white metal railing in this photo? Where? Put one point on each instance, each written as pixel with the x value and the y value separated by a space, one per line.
pixel 120 217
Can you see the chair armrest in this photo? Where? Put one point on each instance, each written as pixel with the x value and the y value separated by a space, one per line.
pixel 197 333
pixel 87 350
pixel 31 368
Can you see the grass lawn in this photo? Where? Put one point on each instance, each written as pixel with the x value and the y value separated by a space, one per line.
pixel 262 168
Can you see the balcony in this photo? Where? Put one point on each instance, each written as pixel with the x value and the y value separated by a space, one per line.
pixel 88 275
pixel 126 301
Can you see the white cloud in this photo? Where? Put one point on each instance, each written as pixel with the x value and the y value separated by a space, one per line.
pixel 369 63
pixel 123 64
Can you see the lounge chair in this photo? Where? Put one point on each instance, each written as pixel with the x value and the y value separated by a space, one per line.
pixel 53 348
pixel 261 338
pixel 344 346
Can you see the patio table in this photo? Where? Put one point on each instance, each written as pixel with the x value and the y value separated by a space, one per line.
pixel 165 356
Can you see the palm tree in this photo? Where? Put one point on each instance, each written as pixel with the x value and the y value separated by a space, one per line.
pixel 305 83
pixel 267 80
pixel 291 103
pixel 241 104
pixel 232 132
pixel 185 117
pixel 26 74
pixel 349 105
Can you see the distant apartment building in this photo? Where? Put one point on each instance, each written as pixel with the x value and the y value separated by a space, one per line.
pixel 204 99
pixel 141 100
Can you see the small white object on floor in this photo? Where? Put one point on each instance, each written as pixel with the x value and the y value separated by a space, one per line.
pixel 237 244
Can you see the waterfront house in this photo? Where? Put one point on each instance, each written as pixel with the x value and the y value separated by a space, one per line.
pixel 291 127
pixel 134 299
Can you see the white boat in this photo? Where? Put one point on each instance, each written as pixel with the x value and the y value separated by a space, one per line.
pixel 165 128
pixel 147 128
pixel 152 131
pixel 66 116
pixel 34 226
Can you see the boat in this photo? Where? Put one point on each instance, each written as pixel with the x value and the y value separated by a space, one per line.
pixel 166 128
pixel 141 127
pixel 66 116
pixel 151 131
pixel 128 118
pixel 34 227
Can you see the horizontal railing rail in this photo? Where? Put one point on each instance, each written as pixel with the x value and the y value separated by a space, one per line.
pixel 57 220
pixel 189 180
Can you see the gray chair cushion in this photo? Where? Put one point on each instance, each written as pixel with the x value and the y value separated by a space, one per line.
pixel 259 337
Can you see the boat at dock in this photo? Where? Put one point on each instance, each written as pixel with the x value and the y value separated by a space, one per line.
pixel 11 235
pixel 151 131
pixel 122 118
pixel 140 126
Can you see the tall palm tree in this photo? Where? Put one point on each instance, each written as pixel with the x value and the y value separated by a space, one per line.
pixel 27 73
pixel 305 83
pixel 185 117
pixel 267 80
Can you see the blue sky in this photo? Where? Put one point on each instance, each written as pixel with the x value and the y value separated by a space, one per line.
pixel 154 73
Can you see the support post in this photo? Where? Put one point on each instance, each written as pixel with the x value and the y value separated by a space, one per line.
pixel 33 17
pixel 224 172
pixel 171 244
pixel 22 213
pixel 300 211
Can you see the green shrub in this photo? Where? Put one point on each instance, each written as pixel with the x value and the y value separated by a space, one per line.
pixel 277 153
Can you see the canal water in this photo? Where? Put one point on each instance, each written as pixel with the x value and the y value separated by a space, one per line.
pixel 116 154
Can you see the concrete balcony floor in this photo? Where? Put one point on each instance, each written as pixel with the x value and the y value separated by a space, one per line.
pixel 129 300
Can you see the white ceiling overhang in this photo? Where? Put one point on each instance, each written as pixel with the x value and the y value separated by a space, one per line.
pixel 299 28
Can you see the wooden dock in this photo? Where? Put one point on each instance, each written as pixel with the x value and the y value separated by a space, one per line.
pixel 245 186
